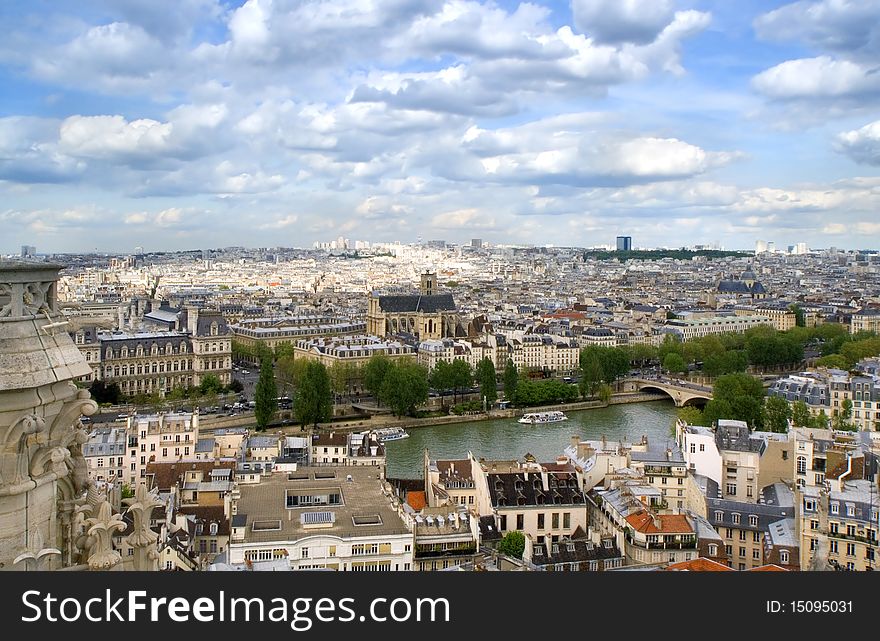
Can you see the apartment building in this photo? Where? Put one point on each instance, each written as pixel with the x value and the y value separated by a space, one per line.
pixel 194 344
pixel 160 438
pixel 687 329
pixel 340 518
pixel 866 319
pixel 450 482
pixel 106 455
pixel 543 500
pixel 347 449
pixel 269 332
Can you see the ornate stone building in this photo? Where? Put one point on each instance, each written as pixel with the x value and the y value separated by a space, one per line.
pixel 426 315
pixel 188 345
pixel 51 516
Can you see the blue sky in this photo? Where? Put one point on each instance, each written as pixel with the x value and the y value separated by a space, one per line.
pixel 199 123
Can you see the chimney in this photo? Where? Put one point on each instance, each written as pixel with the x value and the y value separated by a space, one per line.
pixel 192 320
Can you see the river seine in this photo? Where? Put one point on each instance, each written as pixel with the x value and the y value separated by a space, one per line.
pixel 505 439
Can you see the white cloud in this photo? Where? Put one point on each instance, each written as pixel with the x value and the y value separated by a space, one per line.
pixel 820 77
pixel 617 21
pixel 107 137
pixel 851 26
pixel 862 145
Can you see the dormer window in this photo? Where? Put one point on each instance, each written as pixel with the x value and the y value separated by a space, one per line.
pixel 213 529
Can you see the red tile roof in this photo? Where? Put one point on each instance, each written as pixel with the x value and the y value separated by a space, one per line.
pixel 416 500
pixel 698 565
pixel 768 568
pixel 669 523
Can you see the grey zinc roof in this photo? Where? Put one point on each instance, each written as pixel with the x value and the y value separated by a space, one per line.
pixel 205 445
pixel 417 303
pixel 265 501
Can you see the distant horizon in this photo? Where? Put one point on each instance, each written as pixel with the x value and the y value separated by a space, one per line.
pixel 607 247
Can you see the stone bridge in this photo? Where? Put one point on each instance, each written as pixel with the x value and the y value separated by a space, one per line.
pixel 682 392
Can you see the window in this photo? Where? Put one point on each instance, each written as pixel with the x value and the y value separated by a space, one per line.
pixel 520 522
pixel 693 448
pixel 756 554
pixel 566 520
pixel 756 537
pixel 833 546
pixel 731 488
pixel 728 550
pixel 735 519
pixel 540 521
pixel 814 525
pixel 554 520
pixel 719 515
pixel 835 508
pixel 801 464
pixel 783 557
pixel 713 550
pixel 702 447
pixel 753 520
pixel 850 509
pixel 742 535
pixel 305 553
pixel 742 552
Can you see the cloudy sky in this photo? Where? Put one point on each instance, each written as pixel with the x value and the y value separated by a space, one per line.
pixel 175 124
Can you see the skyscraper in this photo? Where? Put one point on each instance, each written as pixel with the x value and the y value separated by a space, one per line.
pixel 477 243
pixel 624 243
pixel 760 246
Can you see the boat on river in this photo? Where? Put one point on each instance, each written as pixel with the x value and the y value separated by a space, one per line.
pixel 391 434
pixel 539 418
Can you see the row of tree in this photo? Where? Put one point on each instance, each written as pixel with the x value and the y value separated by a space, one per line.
pixel 742 397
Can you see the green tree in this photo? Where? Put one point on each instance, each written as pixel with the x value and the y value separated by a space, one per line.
pixel 485 376
pixel 800 414
pixel 513 544
pixel 460 377
pixel 674 363
pixel 283 350
pixel 591 372
pixel 405 387
pixel 737 396
pixel 671 343
pixel 210 384
pixel 440 379
pixel 102 392
pixel 799 316
pixel 338 373
pixel 313 401
pixel 820 421
pixel 691 415
pixel 291 371
pixel 236 386
pixel 777 411
pixel 842 421
pixel 641 354
pixel 511 379
pixel 265 394
pixel 127 491
pixel 375 371
pixel 604 393
pixel 834 361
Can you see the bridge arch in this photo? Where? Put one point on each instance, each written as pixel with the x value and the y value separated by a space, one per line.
pixel 682 396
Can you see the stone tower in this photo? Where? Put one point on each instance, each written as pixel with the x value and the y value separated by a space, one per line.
pixel 42 470
pixel 429 284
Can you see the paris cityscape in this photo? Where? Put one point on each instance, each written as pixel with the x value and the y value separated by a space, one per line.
pixel 453 286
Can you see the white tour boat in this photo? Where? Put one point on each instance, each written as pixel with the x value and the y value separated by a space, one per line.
pixel 390 434
pixel 538 418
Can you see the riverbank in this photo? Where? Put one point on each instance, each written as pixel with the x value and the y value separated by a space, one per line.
pixel 410 423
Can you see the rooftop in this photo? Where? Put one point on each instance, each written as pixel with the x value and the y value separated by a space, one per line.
pixel 363 508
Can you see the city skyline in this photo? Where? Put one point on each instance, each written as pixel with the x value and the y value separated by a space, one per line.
pixel 211 123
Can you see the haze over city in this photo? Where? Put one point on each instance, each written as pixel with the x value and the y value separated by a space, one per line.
pixel 202 123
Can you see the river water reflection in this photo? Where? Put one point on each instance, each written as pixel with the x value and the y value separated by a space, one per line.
pixel 507 439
